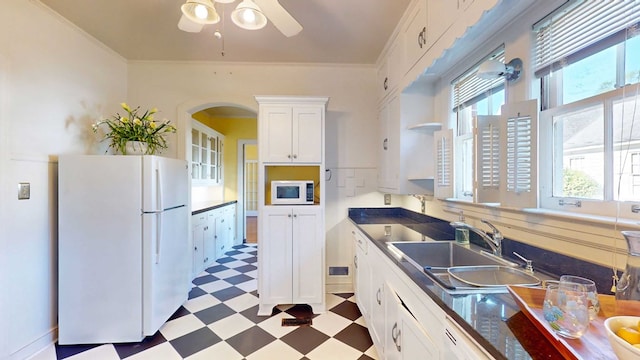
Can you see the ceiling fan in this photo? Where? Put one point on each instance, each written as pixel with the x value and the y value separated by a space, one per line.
pixel 249 14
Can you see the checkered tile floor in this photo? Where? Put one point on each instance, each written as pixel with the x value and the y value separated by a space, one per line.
pixel 219 321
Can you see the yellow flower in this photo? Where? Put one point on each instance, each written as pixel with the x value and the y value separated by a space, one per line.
pixel 135 125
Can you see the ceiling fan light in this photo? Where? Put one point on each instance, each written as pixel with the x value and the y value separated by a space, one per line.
pixel 200 11
pixel 248 15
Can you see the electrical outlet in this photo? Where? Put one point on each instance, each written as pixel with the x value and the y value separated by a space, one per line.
pixel 24 191
pixel 387 199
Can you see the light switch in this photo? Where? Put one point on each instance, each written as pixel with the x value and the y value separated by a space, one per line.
pixel 24 191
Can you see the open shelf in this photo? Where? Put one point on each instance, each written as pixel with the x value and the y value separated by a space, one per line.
pixel 429 127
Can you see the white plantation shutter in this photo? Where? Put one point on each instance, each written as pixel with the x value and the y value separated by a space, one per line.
pixel 443 183
pixel 488 152
pixel 520 144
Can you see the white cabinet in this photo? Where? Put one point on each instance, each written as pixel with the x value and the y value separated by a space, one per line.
pixel 403 321
pixel 213 234
pixel 224 220
pixel 362 276
pixel 389 145
pixel 198 226
pixel 391 68
pixel 377 319
pixel 405 338
pixel 415 33
pixel 292 261
pixel 441 15
pixel 207 149
pixel 291 133
pixel 458 346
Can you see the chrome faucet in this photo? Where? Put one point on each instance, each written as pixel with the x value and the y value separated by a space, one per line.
pixel 495 241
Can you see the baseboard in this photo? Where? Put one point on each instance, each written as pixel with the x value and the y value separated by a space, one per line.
pixel 339 288
pixel 36 346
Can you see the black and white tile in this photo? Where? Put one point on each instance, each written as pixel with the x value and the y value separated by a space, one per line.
pixel 219 321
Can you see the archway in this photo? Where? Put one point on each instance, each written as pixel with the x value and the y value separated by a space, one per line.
pixel 225 110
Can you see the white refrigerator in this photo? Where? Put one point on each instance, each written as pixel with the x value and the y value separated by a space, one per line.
pixel 123 251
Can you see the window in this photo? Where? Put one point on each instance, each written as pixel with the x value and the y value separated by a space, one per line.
pixel 588 61
pixel 473 98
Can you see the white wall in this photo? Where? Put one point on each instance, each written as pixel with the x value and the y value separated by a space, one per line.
pixel 351 120
pixel 54 82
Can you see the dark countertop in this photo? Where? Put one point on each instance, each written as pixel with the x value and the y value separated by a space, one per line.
pixel 203 206
pixel 494 320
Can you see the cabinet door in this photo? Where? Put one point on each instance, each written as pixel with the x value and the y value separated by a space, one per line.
pixel 415 34
pixel 307 134
pixel 209 238
pixel 198 225
pixel 276 259
pixel 415 343
pixel 458 345
pixel 377 314
pixel 362 282
pixel 393 325
pixel 308 255
pixel 276 133
pixel 389 156
pixel 221 235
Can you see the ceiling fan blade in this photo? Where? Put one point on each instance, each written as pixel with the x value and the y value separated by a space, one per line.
pixel 279 16
pixel 189 26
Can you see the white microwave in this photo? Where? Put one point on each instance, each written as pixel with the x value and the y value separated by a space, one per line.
pixel 295 192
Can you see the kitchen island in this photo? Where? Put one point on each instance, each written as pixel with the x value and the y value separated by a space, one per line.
pixel 492 320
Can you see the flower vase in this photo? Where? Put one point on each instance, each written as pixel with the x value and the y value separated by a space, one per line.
pixel 136 148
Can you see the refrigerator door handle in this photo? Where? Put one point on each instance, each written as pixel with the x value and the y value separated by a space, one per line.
pixel 158 235
pixel 160 190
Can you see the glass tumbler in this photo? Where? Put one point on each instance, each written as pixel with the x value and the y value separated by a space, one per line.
pixel 566 310
pixel 592 292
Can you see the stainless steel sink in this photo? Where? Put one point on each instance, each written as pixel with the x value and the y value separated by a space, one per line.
pixel 443 255
pixel 460 269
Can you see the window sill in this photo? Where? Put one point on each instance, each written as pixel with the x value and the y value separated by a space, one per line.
pixel 560 215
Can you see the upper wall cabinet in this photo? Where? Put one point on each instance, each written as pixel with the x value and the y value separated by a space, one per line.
pixel 414 33
pixel 206 155
pixel 441 15
pixel 391 69
pixel 291 133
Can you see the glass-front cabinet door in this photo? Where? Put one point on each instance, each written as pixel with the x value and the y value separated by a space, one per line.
pixel 206 155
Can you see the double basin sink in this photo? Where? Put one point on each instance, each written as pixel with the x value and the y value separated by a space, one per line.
pixel 458 268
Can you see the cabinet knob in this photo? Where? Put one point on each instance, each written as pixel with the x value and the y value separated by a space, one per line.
pixel 378 296
pixel 355 261
pixel 289 215
pixel 385 84
pixel 385 144
pixel 295 156
pixel 289 156
pixel 295 215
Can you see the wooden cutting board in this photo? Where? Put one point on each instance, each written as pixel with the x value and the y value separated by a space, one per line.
pixel 594 344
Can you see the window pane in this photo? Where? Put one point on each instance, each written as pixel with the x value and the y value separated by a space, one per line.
pixel 588 77
pixel 626 140
pixel 632 60
pixel 579 153
pixel 466 166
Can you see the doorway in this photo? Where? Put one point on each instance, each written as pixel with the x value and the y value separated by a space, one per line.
pixel 248 188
